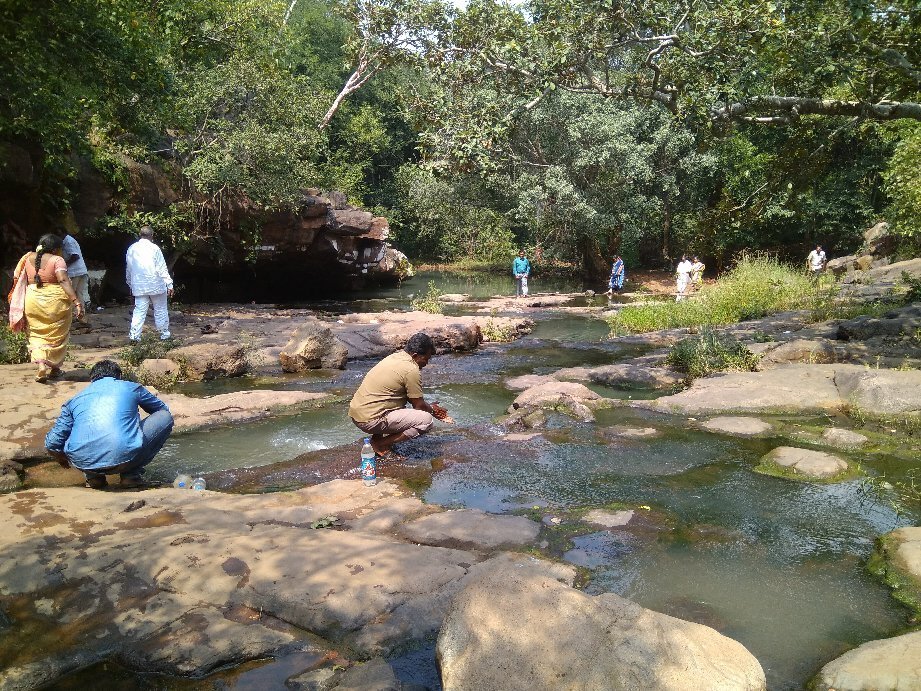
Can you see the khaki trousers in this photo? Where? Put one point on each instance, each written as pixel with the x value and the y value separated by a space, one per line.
pixel 408 421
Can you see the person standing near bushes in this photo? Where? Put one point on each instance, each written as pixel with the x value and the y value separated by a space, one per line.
pixel 150 283
pixel 43 293
pixel 521 269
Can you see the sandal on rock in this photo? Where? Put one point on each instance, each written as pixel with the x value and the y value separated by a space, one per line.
pixel 96 483
pixel 43 373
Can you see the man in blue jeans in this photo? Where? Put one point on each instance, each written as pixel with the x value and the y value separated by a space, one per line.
pixel 101 433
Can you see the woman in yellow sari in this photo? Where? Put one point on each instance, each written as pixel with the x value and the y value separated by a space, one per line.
pixel 49 305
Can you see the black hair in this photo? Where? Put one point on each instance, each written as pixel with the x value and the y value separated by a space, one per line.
pixel 46 243
pixel 105 368
pixel 420 344
pixel 146 232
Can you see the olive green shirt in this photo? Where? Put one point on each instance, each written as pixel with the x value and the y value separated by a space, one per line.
pixel 388 386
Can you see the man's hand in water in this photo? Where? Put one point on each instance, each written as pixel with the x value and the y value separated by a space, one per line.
pixel 441 413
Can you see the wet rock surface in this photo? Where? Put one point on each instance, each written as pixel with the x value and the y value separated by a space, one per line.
pixel 806 462
pixel 206 361
pixel 518 624
pixel 471 529
pixel 742 426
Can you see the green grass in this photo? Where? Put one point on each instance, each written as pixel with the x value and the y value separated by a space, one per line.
pixel 13 346
pixel 710 352
pixel 759 285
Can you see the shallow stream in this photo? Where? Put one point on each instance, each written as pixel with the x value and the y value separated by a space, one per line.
pixel 775 564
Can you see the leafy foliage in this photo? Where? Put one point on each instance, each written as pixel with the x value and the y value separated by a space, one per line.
pixel 429 302
pixel 149 346
pixel 13 345
pixel 710 352
pixel 903 183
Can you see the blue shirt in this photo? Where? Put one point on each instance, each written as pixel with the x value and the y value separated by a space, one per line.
pixel 521 266
pixel 100 427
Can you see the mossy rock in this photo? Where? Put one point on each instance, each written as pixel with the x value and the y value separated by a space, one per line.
pixel 888 565
pixel 806 465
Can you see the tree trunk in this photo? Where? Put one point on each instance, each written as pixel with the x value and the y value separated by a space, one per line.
pixel 666 228
pixel 594 267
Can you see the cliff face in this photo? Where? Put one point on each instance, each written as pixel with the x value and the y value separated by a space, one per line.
pixel 319 246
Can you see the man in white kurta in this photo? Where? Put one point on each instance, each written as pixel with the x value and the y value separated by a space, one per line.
pixel 150 283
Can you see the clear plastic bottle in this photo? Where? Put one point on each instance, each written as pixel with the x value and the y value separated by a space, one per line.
pixel 199 483
pixel 182 481
pixel 368 465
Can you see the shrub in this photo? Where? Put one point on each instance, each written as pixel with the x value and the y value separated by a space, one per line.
pixel 497 332
pixel 13 346
pixel 711 352
pixel 430 301
pixel 913 294
pixel 149 346
pixel 757 286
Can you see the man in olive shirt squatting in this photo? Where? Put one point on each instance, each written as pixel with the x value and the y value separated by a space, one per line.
pixel 378 407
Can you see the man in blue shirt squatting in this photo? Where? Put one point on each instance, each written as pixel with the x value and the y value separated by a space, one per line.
pixel 101 432
pixel 521 268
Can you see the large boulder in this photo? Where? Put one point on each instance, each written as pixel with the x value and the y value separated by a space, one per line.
pixel 737 425
pixel 891 663
pixel 206 361
pixel 878 241
pixel 901 323
pixel 517 626
pixel 799 350
pixel 881 391
pixel 312 346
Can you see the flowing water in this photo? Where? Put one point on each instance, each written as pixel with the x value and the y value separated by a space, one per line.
pixel 775 564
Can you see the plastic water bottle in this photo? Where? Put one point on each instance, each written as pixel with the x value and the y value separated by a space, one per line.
pixel 182 481
pixel 198 483
pixel 368 466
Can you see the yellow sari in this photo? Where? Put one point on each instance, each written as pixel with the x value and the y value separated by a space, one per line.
pixel 48 314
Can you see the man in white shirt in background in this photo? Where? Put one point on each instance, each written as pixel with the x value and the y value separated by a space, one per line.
pixel 150 283
pixel 77 272
pixel 816 261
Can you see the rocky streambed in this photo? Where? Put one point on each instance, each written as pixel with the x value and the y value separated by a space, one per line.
pixel 585 521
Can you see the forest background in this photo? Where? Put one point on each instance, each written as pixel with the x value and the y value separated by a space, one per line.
pixel 578 127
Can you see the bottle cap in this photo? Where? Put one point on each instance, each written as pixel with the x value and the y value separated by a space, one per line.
pixel 367 440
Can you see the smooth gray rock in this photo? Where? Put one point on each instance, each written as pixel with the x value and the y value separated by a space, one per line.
pixel 609 519
pixel 374 675
pixel 628 374
pixel 471 529
pixel 892 664
pixel 843 438
pixel 881 391
pixel 806 462
pixel 515 626
pixel 740 426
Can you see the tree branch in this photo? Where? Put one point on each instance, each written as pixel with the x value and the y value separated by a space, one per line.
pixel 784 109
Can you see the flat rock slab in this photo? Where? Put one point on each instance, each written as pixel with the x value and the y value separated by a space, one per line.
pixel 526 381
pixel 626 432
pixel 740 426
pixel 843 438
pixel 241 406
pixel 881 391
pixel 891 663
pixel 815 464
pixel 628 374
pixel 516 625
pixel 156 584
pixel 789 387
pixel 471 529
pixel 608 519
